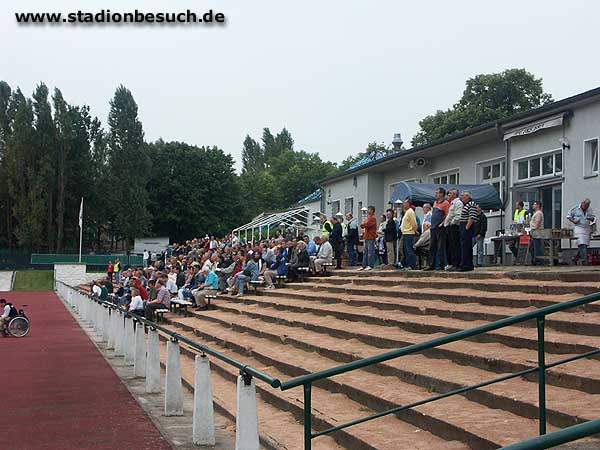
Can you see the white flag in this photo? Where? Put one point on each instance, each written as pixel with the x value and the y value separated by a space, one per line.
pixel 81 214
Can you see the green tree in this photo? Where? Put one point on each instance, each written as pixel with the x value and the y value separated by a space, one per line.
pixel 44 151
pixel 5 132
pixel 23 175
pixel 487 97
pixel 128 166
pixel 194 190
pixel 253 157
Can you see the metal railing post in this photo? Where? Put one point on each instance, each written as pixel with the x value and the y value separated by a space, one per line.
pixel 307 417
pixel 541 373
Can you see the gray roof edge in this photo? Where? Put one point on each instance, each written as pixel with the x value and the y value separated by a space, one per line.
pixel 550 107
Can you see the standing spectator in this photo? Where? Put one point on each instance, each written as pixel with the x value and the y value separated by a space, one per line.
pixel 326 225
pixel 369 234
pixel 110 270
pixel 117 270
pixel 351 239
pixel 480 232
pixel 146 258
pixel 163 300
pixel 337 241
pixel 409 231
pixel 437 244
pixel 582 218
pixel 468 222
pixel 536 224
pixel 391 236
pixel 453 230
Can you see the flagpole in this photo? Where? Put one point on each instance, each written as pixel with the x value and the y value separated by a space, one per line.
pixel 80 228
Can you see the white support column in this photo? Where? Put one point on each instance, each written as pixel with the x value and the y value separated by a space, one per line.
pixel 105 323
pixel 120 336
pixel 83 311
pixel 153 363
pixel 246 425
pixel 112 328
pixel 203 428
pixel 129 341
pixel 139 363
pixel 98 318
pixel 173 391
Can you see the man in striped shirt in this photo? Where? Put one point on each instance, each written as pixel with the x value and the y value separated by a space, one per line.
pixel 468 220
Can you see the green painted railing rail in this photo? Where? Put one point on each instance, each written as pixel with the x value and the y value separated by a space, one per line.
pixel 559 437
pixel 244 368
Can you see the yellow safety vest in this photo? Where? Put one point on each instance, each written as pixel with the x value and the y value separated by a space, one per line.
pixel 324 230
pixel 519 214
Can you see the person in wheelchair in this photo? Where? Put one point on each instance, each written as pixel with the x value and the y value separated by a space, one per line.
pixel 8 312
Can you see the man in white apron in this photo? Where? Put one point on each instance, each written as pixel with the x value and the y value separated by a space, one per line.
pixel 582 218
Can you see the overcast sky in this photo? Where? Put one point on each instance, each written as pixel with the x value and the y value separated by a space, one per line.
pixel 337 73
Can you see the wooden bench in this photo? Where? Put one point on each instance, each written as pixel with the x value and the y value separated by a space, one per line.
pixel 280 280
pixel 160 313
pixel 209 298
pixel 325 266
pixel 255 284
pixel 302 272
pixel 180 306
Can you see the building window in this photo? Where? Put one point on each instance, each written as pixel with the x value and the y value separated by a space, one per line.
pixel 452 177
pixel 335 207
pixel 590 157
pixel 349 205
pixel 354 182
pixel 546 165
pixel 494 173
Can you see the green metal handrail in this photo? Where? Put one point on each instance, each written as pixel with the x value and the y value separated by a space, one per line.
pixel 539 315
pixel 559 437
pixel 244 368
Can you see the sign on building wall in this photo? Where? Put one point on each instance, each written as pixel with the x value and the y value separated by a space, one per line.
pixel 532 127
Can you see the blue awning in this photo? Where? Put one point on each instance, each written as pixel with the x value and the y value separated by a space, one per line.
pixel 420 193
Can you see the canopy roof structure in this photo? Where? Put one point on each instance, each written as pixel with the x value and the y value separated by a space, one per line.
pixel 296 218
pixel 420 193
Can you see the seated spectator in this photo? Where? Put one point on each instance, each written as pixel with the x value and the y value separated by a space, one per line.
pixel 323 256
pixel 249 273
pixel 275 268
pixel 422 245
pixel 96 290
pixel 210 287
pixel 109 286
pixel 311 247
pixel 163 301
pixel 302 259
pixel 136 305
pixel 186 291
pixel 151 290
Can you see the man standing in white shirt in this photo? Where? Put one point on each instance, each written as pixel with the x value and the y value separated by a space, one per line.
pixel 451 223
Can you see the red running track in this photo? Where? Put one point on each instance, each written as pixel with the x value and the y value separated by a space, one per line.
pixel 57 392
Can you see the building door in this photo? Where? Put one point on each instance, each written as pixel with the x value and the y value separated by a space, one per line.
pixel 552 206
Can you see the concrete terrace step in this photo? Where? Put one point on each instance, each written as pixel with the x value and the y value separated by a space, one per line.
pixel 280 413
pixel 490 285
pixel 518 396
pixel 464 295
pixel 452 418
pixel 496 355
pixel 566 274
pixel 575 320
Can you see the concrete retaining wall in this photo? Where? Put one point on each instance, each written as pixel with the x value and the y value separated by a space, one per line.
pixel 72 274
